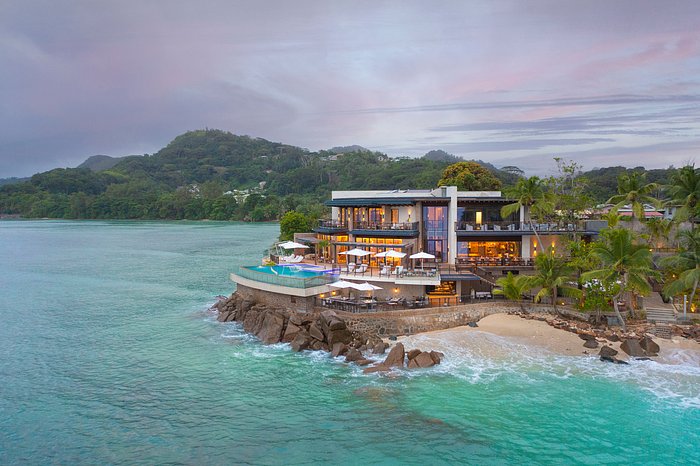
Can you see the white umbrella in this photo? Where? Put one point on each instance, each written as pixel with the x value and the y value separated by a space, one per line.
pixel 366 286
pixel 391 253
pixel 292 245
pixel 356 252
pixel 342 284
pixel 421 255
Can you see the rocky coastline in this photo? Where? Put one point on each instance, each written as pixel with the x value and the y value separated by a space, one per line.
pixel 638 344
pixel 322 331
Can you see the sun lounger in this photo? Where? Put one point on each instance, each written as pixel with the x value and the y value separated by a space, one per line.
pixel 361 269
pixel 398 271
pixel 386 271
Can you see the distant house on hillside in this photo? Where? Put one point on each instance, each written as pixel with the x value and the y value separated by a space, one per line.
pixel 626 211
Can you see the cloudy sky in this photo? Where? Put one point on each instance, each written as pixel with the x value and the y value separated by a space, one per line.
pixel 609 82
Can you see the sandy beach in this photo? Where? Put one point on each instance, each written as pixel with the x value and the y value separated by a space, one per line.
pixel 538 334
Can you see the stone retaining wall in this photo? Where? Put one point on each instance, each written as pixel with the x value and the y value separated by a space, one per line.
pixel 408 322
pixel 277 300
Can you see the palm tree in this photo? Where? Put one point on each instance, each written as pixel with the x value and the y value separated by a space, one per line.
pixel 633 192
pixel 552 274
pixel 624 264
pixel 684 266
pixel 659 230
pixel 612 217
pixel 531 194
pixel 580 260
pixel 685 192
pixel 513 287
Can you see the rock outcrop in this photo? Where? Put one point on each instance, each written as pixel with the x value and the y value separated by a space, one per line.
pixel 397 357
pixel 632 347
pixel 650 347
pixel 322 331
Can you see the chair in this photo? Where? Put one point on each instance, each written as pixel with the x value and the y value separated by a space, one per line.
pixel 511 227
pixel 468 227
pixel 497 228
pixel 399 270
pixel 351 267
pixel 295 259
pixel 386 271
pixel 361 269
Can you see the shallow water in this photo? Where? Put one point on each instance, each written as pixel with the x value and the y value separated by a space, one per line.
pixel 108 355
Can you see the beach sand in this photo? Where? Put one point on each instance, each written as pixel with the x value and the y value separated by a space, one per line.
pixel 538 334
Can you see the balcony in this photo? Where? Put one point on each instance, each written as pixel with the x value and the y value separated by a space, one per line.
pixel 331 227
pixel 505 228
pixel 408 229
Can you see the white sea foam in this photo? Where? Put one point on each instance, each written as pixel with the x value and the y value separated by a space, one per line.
pixel 480 357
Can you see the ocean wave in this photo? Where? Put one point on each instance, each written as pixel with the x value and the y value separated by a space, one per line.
pixel 483 358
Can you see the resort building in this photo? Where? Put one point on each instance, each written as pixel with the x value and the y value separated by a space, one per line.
pixel 427 247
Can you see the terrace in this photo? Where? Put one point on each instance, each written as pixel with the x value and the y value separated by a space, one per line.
pixel 331 227
pixel 510 227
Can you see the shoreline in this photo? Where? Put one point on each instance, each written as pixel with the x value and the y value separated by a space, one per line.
pixel 537 334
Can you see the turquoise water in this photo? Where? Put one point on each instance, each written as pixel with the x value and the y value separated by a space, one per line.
pixel 288 271
pixel 109 356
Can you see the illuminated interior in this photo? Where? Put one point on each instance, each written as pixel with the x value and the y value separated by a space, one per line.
pixel 488 249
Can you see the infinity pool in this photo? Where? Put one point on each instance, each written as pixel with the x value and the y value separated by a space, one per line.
pixel 298 271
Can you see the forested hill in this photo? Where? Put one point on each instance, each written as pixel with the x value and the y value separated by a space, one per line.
pixel 213 174
pixel 217 175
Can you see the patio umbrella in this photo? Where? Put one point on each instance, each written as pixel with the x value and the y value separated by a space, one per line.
pixel 390 253
pixel 357 252
pixel 342 284
pixel 292 245
pixel 367 287
pixel 421 255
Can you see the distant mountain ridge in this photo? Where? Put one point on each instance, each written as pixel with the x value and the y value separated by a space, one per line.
pixel 98 163
pixel 347 149
pixel 218 175
pixel 12 180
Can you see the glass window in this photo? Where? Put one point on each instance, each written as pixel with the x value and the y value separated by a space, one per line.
pixel 394 215
pixel 435 226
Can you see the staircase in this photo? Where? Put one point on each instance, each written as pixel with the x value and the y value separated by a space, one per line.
pixel 662 331
pixel 661 318
pixel 660 315
pixel 484 276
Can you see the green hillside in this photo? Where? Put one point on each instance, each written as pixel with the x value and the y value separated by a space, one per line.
pixel 98 163
pixel 217 175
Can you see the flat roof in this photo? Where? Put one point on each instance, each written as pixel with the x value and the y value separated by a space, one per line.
pixel 415 194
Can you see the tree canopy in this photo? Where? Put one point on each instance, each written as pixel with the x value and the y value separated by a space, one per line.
pixel 469 176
